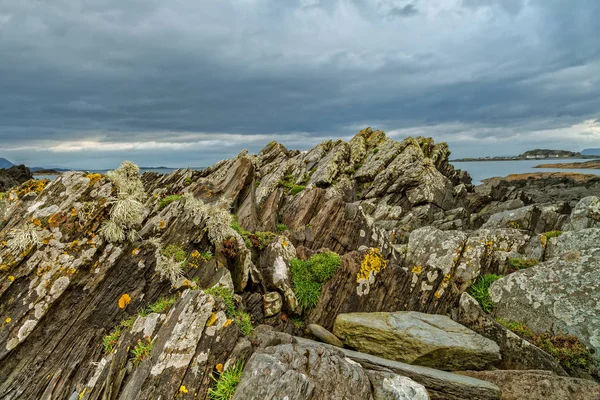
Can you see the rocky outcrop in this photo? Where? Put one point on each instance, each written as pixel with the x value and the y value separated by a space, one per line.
pixel 538 385
pixel 14 176
pixel 415 338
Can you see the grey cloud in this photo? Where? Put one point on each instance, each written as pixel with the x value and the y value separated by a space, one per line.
pixel 150 71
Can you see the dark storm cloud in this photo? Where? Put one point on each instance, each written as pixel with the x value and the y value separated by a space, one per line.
pixel 187 82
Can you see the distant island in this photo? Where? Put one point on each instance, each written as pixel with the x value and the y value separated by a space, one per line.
pixel 539 154
pixel 594 164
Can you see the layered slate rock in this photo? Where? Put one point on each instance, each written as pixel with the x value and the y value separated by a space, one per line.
pixel 440 385
pixel 538 385
pixel 423 339
pixel 559 295
pixel 14 176
pixel 302 372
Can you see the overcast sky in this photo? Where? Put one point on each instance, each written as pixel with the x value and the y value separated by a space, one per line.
pixel 87 83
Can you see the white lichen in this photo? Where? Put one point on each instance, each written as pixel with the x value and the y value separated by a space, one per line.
pixel 21 239
pixel 216 217
pixel 166 267
pixel 127 210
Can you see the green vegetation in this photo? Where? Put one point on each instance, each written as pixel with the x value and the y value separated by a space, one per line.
pixel 188 181
pixel 110 341
pixel 241 319
pixel 308 277
pixel 162 305
pixel 568 350
pixel 552 234
pixel 141 350
pixel 290 186
pixel 175 252
pixel 375 150
pixel 480 290
pixel 206 255
pixel 259 240
pixel 226 383
pixel 281 227
pixel 165 201
pixel 297 322
pixel 516 264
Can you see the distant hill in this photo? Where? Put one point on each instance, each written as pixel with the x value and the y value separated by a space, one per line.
pixel 546 153
pixel 591 152
pixel 4 163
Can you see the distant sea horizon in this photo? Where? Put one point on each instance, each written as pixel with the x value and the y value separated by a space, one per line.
pixel 479 170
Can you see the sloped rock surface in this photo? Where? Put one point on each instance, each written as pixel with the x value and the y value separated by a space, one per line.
pixel 517 353
pixel 388 386
pixel 586 214
pixel 416 338
pixel 559 296
pixel 538 385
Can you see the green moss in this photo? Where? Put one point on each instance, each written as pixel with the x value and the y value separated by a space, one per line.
pixel 297 322
pixel 175 252
pixel 552 234
pixel 290 186
pixel 282 227
pixel 516 264
pixel 226 383
pixel 141 350
pixel 165 201
pixel 258 240
pixel 308 277
pixel 480 290
pixel 206 255
pixel 375 150
pixel 568 350
pixel 188 181
pixel 297 189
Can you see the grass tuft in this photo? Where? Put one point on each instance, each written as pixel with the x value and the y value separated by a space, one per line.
pixel 480 290
pixel 226 383
pixel 517 264
pixel 308 277
pixel 141 350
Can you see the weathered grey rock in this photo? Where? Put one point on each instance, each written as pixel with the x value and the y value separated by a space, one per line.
pixel 516 352
pixel 586 214
pixel 571 244
pixel 272 303
pixel 14 176
pixel 324 335
pixel 538 385
pixel 416 338
pixel 274 268
pixel 388 386
pixel 441 385
pixel 534 218
pixel 557 295
pixel 302 372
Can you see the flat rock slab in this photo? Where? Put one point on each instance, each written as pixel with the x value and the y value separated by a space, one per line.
pixel 441 385
pixel 538 385
pixel 416 338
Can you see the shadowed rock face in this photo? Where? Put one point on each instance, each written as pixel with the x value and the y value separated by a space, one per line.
pixel 14 176
pixel 385 206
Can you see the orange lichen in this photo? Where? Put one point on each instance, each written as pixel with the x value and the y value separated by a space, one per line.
pixel 93 178
pixel 7 320
pixel 183 389
pixel 135 251
pixel 219 367
pixel 11 278
pixel 162 224
pixel 36 222
pixel 32 185
pixel 417 269
pixel 228 322
pixel 211 320
pixel 124 300
pixel 372 263
pixel 73 212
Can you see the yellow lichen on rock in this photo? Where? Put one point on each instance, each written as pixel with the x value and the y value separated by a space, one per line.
pixel 93 178
pixel 211 320
pixel 371 265
pixel 124 300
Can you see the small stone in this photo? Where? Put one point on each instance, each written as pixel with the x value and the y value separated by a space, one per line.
pixel 324 335
pixel 272 303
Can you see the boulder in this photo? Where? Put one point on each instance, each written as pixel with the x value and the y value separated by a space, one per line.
pixel 302 372
pixel 274 268
pixel 561 296
pixel 586 214
pixel 271 304
pixel 538 385
pixel 389 386
pixel 416 338
pixel 534 218
pixel 324 335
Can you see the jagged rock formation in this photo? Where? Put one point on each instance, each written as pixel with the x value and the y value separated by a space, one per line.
pixel 91 319
pixel 14 176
